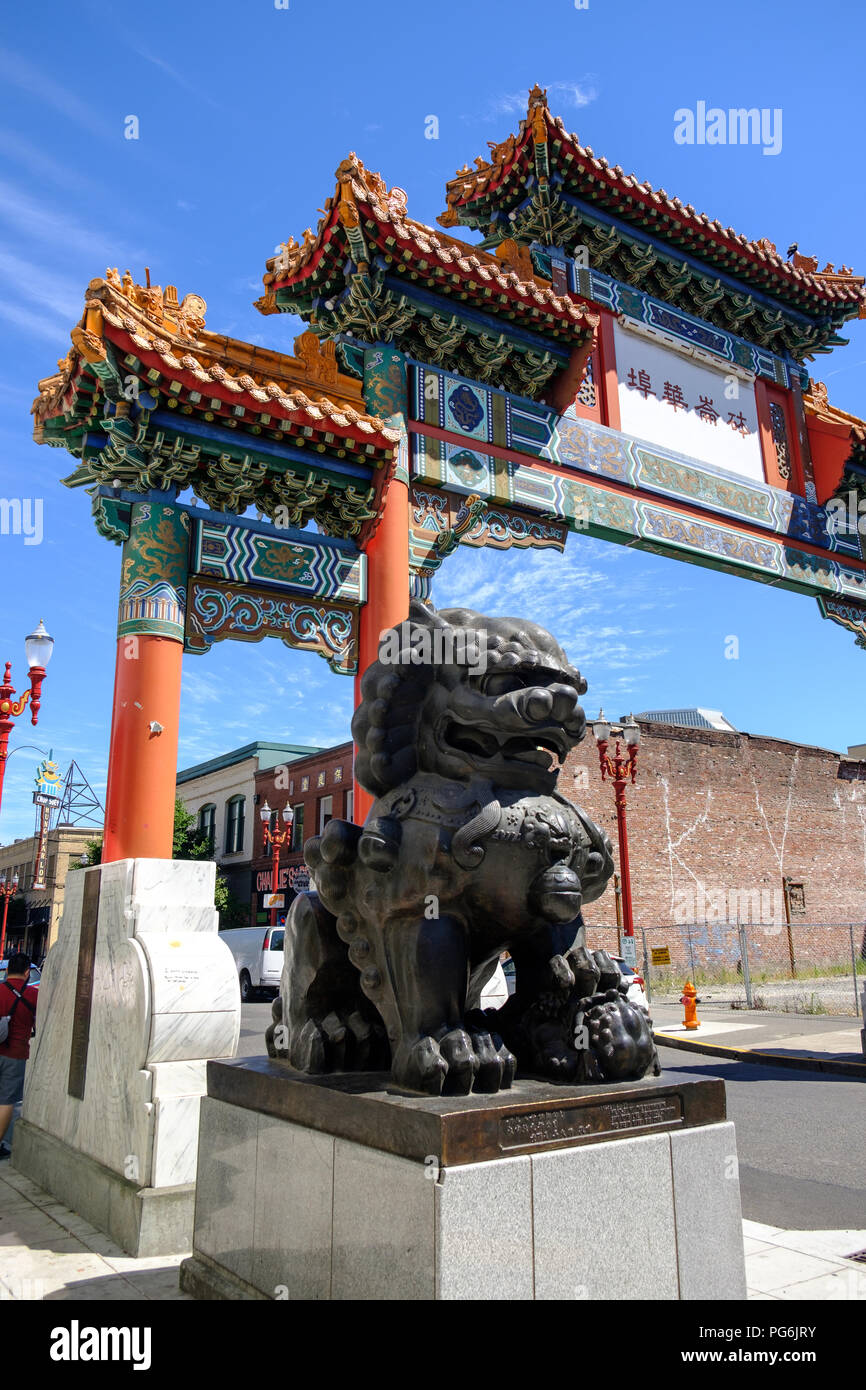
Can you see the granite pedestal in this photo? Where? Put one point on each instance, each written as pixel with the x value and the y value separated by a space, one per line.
pixel 341 1187
pixel 135 995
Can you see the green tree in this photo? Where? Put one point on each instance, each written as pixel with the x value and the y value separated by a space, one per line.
pixel 188 842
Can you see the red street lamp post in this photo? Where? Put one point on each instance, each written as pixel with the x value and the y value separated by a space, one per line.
pixel 37 648
pixel 276 838
pixel 7 892
pixel 620 767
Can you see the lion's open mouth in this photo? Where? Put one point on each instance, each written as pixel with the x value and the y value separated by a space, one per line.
pixel 546 751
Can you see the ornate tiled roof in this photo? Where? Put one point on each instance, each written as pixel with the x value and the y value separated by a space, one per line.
pixel 362 194
pixel 374 273
pixel 817 406
pixel 546 155
pixel 170 339
pixel 148 399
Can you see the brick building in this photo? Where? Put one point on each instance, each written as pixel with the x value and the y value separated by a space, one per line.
pixel 318 788
pixel 725 827
pixel 220 793
pixel 34 915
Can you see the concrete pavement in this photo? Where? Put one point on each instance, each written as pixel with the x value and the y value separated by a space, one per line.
pixel 47 1252
pixel 812 1043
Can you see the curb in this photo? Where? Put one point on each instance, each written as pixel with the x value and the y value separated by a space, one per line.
pixel 767 1059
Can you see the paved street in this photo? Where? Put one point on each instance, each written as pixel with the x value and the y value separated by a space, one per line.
pixel 801 1137
pixel 255 1018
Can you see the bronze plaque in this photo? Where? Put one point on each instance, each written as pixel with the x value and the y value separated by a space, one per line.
pixel 547 1128
pixel 84 986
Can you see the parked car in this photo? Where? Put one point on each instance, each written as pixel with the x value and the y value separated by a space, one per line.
pixel 636 984
pixel 258 953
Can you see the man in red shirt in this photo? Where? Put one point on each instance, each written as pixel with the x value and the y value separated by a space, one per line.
pixel 18 1002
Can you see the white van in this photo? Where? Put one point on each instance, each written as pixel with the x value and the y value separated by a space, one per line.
pixel 258 953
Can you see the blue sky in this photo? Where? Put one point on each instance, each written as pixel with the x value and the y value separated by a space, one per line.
pixel 244 112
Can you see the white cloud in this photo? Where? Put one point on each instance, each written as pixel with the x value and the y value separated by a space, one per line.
pixel 559 94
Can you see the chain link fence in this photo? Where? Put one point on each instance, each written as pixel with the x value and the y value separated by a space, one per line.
pixel 798 967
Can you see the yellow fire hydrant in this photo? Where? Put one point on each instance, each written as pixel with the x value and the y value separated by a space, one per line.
pixel 689 1002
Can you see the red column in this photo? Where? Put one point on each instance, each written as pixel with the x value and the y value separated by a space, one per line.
pixel 387 596
pixel 142 761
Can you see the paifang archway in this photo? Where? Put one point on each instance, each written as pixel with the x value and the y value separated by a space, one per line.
pixel 606 360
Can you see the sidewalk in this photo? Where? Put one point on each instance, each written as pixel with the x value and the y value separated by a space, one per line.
pixel 823 1043
pixel 47 1252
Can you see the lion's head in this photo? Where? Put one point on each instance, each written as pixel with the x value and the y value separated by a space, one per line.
pixel 463 695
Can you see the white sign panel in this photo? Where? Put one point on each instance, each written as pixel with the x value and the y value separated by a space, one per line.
pixel 678 403
pixel 627 948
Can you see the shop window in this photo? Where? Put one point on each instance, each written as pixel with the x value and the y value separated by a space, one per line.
pixel 298 829
pixel 235 824
pixel 207 823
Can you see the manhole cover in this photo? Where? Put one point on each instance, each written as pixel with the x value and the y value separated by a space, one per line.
pixel 859 1256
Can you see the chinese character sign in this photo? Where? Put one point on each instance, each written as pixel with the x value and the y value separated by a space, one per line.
pixel 678 403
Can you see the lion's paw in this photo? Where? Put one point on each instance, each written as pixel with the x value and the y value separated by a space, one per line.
pixel 619 1037
pixel 454 1063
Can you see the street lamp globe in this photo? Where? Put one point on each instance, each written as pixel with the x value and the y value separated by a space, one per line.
pixel 601 728
pixel 288 814
pixel 38 647
pixel 631 731
pixel 265 814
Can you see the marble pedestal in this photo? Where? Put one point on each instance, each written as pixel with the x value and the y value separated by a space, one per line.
pixel 136 994
pixel 341 1188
